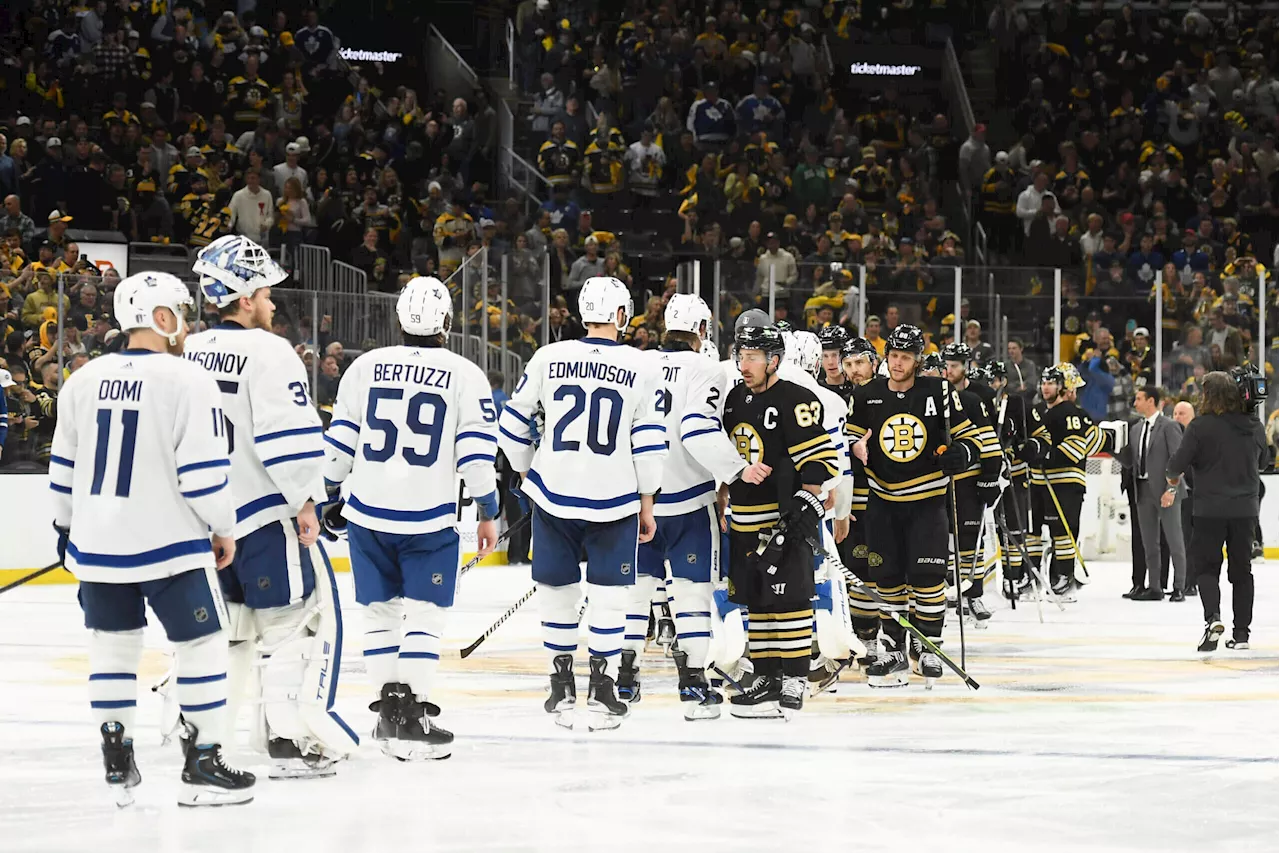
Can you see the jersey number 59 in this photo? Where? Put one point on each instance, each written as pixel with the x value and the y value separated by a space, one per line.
pixel 424 416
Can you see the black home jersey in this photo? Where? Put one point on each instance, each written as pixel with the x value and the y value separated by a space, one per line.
pixel 975 405
pixel 1074 437
pixel 844 389
pixel 781 427
pixel 1012 423
pixel 907 429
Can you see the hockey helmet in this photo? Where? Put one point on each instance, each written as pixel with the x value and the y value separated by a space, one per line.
pixel 957 351
pixel 1064 373
pixel 833 337
pixel 932 361
pixel 784 326
pixel 767 339
pixel 906 338
pixel 234 266
pixel 425 307
pixel 688 312
pixel 750 317
pixel 807 354
pixel 857 347
pixel 601 297
pixel 138 296
pixel 998 370
pixel 978 373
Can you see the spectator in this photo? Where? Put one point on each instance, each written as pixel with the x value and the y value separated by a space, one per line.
pixel 282 172
pixel 10 177
pixel 1219 334
pixel 975 159
pixel 369 254
pixel 1024 375
pixel 15 218
pixel 590 264
pixel 1033 201
pixel 252 208
pixel 981 352
pixel 1095 397
pixel 45 296
pixel 777 266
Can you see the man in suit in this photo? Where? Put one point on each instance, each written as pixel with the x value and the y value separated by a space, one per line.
pixel 1152 443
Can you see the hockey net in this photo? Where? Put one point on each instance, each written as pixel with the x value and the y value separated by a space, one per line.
pixel 1105 526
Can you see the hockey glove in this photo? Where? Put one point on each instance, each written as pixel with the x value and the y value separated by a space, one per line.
pixel 331 520
pixel 989 491
pixel 64 537
pixel 956 458
pixel 1034 452
pixel 805 518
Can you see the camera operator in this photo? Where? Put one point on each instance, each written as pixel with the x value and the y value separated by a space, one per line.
pixel 1225 449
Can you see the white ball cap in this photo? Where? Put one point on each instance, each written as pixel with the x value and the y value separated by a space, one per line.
pixel 687 312
pixel 425 307
pixel 600 298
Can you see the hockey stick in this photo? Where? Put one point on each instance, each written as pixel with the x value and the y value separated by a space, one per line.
pixel 955 521
pixel 465 652
pixel 884 606
pixel 38 573
pixel 1041 581
pixel 1062 517
pixel 506 534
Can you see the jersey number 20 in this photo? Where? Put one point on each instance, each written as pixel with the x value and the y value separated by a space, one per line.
pixel 578 398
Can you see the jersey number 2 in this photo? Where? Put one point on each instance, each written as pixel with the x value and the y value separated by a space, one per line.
pixel 431 428
pixel 124 470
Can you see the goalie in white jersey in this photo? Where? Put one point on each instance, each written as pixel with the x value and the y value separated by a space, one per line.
pixel 139 479
pixel 592 478
pixel 700 457
pixel 280 590
pixel 408 422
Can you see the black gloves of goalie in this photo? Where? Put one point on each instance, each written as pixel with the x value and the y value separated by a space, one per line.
pixel 957 458
pixel 1034 452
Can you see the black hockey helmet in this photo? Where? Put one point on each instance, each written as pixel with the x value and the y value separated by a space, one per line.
pixel 750 317
pixel 766 338
pixel 998 370
pixel 784 326
pixel 860 346
pixel 957 351
pixel 932 361
pixel 978 373
pixel 906 338
pixel 833 337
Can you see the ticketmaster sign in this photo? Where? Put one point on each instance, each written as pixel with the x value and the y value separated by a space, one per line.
pixel 351 55
pixel 877 66
pixel 878 70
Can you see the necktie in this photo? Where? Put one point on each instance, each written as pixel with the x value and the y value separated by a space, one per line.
pixel 1142 455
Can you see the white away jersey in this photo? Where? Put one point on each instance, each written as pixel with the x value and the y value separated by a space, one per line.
pixel 603 440
pixel 273 431
pixel 139 468
pixel 834 414
pixel 732 376
pixel 407 423
pixel 700 454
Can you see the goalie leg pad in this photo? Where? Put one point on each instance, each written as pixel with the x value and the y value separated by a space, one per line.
pixel 728 631
pixel 420 645
pixel 300 676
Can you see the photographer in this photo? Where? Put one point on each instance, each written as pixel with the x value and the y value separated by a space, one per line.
pixel 1225 449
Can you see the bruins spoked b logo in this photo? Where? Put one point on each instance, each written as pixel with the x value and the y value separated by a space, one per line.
pixel 748 443
pixel 902 438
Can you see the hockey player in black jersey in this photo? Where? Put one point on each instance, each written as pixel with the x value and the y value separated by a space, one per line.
pixel 775 527
pixel 832 375
pixel 1010 414
pixel 1061 440
pixel 899 425
pixel 979 486
pixel 859 361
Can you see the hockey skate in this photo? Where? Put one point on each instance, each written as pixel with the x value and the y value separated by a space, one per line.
pixel 697 700
pixel 824 673
pixel 207 780
pixel 387 707
pixel 666 633
pixel 1213 630
pixel 873 651
pixel 564 692
pixel 417 738
pixel 758 699
pixel 977 612
pixel 1062 585
pixel 290 761
pixel 117 758
pixel 628 678
pixel 604 709
pixel 890 668
pixel 925 663
pixel 792 698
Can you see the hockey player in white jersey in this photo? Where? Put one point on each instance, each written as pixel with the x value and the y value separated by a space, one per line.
pixel 700 457
pixel 408 421
pixel 833 628
pixel 280 590
pixel 139 478
pixel 592 479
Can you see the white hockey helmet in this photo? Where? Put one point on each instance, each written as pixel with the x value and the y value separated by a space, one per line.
pixel 425 307
pixel 139 295
pixel 688 312
pixel 235 266
pixel 601 297
pixel 808 351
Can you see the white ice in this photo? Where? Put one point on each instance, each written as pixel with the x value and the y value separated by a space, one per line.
pixel 1101 729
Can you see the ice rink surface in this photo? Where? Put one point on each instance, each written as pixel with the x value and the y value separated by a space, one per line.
pixel 1101 729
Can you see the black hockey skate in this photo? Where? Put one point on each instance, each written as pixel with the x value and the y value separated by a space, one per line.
pixel 604 709
pixel 387 707
pixel 207 780
pixel 117 758
pixel 564 692
pixel 628 677
pixel 873 650
pixel 890 668
pixel 1213 630
pixel 697 699
pixel 289 761
pixel 417 738
pixel 791 699
pixel 666 637
pixel 1062 585
pixel 1019 589
pixel 758 699
pixel 978 609
pixel 925 663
